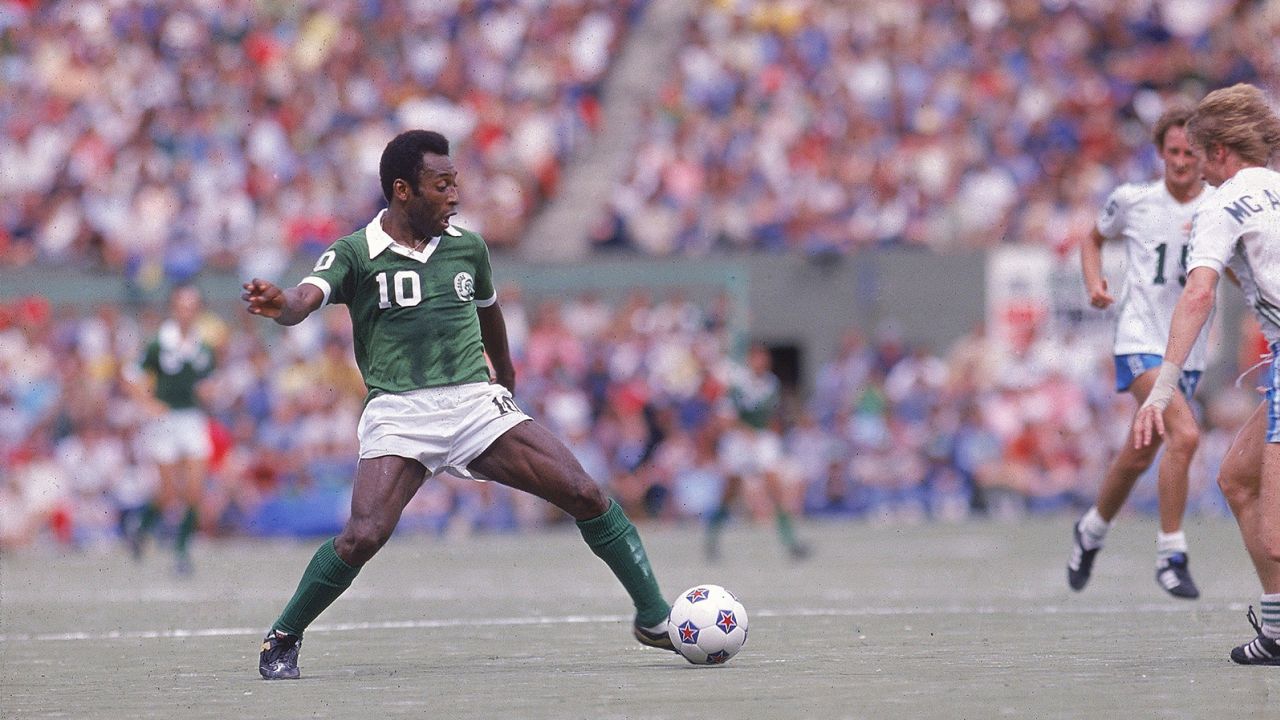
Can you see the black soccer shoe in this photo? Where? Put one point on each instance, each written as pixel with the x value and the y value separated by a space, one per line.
pixel 1175 578
pixel 279 658
pixel 799 551
pixel 1080 565
pixel 1261 650
pixel 655 639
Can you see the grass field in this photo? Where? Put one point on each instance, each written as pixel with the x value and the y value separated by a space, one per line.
pixel 939 621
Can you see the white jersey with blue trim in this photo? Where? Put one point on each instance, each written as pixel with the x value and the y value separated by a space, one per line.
pixel 1156 228
pixel 1239 227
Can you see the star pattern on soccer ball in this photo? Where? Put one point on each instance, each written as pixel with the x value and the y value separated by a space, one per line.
pixel 718 658
pixel 696 594
pixel 688 632
pixel 726 621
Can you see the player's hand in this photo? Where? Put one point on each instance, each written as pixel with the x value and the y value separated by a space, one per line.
pixel 264 298
pixel 1146 424
pixel 506 380
pixel 1098 295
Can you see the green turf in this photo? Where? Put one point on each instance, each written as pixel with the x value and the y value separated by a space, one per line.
pixel 938 621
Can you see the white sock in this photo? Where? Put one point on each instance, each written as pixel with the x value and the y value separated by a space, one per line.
pixel 1093 529
pixel 1271 615
pixel 1168 544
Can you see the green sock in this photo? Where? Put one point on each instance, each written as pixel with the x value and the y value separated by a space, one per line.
pixel 186 530
pixel 715 524
pixel 614 539
pixel 718 518
pixel 325 578
pixel 786 532
pixel 150 518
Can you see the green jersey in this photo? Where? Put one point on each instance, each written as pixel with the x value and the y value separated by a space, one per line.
pixel 413 312
pixel 178 364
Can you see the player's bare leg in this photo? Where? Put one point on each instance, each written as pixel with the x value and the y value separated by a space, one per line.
pixel 190 489
pixel 529 458
pixel 154 511
pixel 776 489
pixel 1270 511
pixel 383 486
pixel 1240 479
pixel 1181 438
pixel 1129 464
pixel 1250 479
pixel 715 524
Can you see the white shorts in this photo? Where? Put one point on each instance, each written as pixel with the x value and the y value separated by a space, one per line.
pixel 442 428
pixel 749 452
pixel 176 435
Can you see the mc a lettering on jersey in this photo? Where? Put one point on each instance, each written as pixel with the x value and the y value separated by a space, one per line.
pixel 1245 206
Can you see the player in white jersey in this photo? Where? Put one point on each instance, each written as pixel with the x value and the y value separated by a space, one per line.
pixel 1154 220
pixel 1237 133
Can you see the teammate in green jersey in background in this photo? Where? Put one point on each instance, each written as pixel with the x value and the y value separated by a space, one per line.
pixel 167 384
pixel 424 314
pixel 751 450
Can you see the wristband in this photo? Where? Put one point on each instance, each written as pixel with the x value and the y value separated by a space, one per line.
pixel 1166 385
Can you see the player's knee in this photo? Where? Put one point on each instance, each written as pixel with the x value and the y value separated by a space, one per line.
pixel 1183 439
pixel 1235 490
pixel 582 498
pixel 1135 461
pixel 361 540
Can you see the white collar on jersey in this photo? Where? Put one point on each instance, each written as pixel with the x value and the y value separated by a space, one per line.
pixel 173 340
pixel 379 240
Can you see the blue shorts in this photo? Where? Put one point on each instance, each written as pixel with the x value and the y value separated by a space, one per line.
pixel 1273 397
pixel 1129 367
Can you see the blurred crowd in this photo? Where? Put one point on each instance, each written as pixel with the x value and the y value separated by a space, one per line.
pixel 808 127
pixel 883 431
pixel 155 138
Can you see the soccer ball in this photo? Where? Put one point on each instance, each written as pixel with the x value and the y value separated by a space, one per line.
pixel 707 625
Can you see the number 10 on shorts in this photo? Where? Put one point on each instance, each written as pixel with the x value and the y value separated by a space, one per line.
pixel 505 404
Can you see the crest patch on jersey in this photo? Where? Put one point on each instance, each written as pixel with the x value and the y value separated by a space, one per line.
pixel 465 286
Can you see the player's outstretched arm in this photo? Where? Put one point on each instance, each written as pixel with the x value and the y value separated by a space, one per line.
pixel 1095 283
pixel 287 307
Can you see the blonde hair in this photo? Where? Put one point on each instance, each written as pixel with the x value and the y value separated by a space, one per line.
pixel 1240 119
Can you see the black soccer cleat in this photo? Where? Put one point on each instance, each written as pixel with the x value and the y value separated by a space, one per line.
pixel 1261 650
pixel 653 638
pixel 279 658
pixel 131 530
pixel 1173 575
pixel 1080 565
pixel 799 551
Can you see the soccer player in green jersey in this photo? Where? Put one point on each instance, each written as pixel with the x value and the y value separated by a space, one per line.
pixel 166 384
pixel 424 315
pixel 751 449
